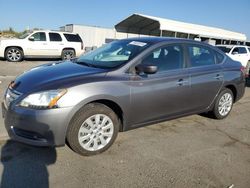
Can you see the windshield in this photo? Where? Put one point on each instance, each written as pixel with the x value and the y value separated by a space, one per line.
pixel 225 49
pixel 24 36
pixel 114 54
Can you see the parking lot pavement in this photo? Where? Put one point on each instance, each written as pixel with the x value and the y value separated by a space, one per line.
pixel 193 151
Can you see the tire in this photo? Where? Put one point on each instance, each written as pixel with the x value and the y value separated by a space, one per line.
pixel 68 54
pixel 86 136
pixel 13 54
pixel 223 104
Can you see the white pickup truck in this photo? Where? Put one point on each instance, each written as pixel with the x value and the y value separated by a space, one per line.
pixel 42 44
pixel 238 53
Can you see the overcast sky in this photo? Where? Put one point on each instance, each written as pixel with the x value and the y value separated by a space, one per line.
pixel 51 14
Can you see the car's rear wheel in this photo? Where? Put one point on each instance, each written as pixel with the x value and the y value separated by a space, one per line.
pixel 68 54
pixel 14 54
pixel 223 104
pixel 93 129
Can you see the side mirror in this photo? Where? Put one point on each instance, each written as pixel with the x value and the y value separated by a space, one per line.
pixel 235 53
pixel 31 38
pixel 147 69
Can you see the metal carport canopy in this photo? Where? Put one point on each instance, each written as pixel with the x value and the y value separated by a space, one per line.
pixel 150 25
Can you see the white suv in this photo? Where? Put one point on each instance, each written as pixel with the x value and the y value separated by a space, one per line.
pixel 42 44
pixel 237 53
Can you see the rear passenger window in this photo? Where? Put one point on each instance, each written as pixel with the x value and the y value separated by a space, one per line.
pixel 55 37
pixel 73 38
pixel 200 56
pixel 219 57
pixel 242 50
pixel 166 58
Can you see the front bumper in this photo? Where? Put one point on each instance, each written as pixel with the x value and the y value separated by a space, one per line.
pixel 37 127
pixel 1 52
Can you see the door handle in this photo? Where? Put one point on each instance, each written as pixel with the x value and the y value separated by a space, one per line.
pixel 182 82
pixel 44 43
pixel 218 76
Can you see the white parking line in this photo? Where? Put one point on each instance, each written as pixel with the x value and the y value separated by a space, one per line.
pixel 4 77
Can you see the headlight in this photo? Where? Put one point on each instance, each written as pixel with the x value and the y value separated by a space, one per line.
pixel 43 100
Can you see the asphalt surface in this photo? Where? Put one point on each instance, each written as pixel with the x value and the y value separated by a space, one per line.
pixel 193 151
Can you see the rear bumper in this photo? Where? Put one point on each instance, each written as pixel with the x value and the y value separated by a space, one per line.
pixel 79 53
pixel 240 90
pixel 37 127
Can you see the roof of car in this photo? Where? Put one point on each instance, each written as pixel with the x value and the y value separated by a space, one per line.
pixel 157 39
pixel 231 45
pixel 154 40
pixel 53 31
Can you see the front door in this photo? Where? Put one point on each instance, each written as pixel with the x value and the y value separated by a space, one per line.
pixel 37 45
pixel 163 94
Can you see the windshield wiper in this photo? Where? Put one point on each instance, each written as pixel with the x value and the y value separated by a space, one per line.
pixel 90 65
pixel 84 63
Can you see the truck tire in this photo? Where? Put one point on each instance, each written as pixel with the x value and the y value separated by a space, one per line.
pixel 68 54
pixel 13 54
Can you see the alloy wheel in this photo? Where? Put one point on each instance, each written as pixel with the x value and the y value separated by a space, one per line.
pixel 225 104
pixel 68 55
pixel 14 54
pixel 96 132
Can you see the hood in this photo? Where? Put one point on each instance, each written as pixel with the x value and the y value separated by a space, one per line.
pixel 56 75
pixel 12 40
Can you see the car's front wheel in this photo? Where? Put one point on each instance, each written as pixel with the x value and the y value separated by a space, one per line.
pixel 13 54
pixel 223 104
pixel 93 129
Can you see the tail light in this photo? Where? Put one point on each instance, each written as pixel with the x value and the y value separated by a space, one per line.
pixel 244 71
pixel 81 45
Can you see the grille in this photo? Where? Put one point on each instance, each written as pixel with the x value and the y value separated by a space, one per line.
pixel 28 134
pixel 10 96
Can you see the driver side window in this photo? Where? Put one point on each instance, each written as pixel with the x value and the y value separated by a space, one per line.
pixel 39 36
pixel 166 58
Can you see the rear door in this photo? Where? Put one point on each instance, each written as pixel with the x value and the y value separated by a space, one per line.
pixel 56 44
pixel 206 76
pixel 165 93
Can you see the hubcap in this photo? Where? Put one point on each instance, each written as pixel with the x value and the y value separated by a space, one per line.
pixel 68 55
pixel 225 104
pixel 14 54
pixel 96 132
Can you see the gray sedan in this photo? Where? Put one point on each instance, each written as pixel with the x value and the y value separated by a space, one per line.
pixel 123 85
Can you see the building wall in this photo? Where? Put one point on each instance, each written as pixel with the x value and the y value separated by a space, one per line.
pixel 96 36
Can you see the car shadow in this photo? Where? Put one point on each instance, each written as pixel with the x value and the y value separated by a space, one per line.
pixel 208 115
pixel 43 59
pixel 26 166
pixel 248 82
pixel 34 59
